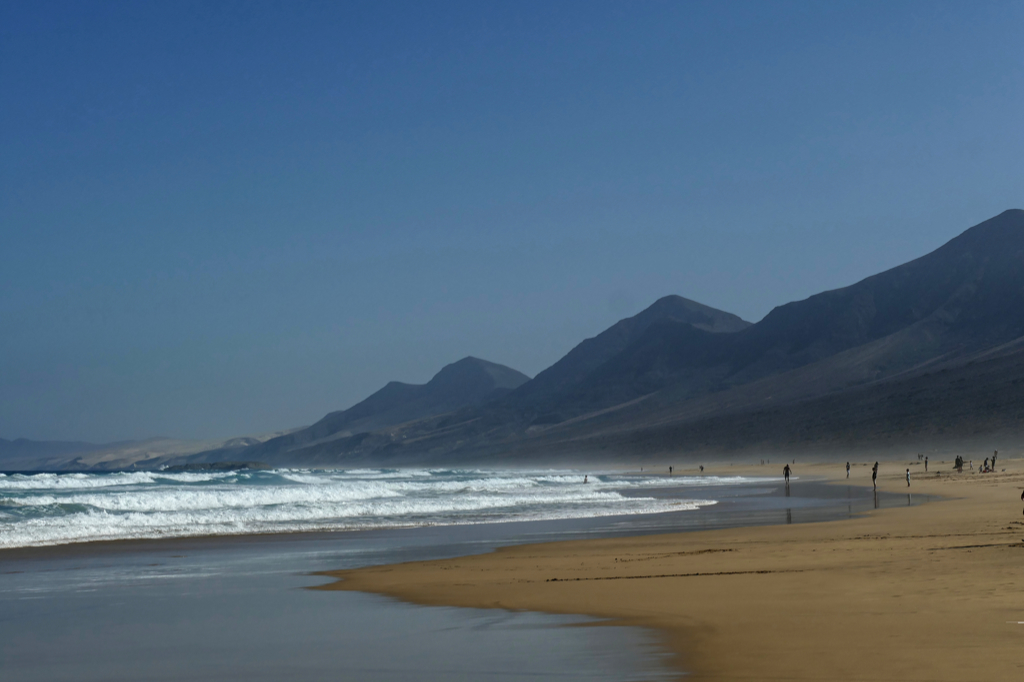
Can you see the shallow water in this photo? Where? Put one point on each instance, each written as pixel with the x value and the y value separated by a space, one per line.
pixel 234 607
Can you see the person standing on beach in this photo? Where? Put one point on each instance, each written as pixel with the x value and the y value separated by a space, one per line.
pixel 874 475
pixel 908 478
pixel 785 472
pixel 847 469
pixel 926 464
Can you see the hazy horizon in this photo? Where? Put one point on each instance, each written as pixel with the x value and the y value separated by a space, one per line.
pixel 230 219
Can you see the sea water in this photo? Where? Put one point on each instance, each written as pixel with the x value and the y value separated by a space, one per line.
pixel 59 508
pixel 233 607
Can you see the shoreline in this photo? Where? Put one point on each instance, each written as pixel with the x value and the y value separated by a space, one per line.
pixel 130 545
pixel 242 536
pixel 928 592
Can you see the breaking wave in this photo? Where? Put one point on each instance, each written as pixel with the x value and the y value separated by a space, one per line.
pixel 49 509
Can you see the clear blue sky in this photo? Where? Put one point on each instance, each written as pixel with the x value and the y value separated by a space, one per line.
pixel 229 218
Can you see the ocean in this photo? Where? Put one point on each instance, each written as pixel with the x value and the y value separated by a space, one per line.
pixel 60 508
pixel 207 581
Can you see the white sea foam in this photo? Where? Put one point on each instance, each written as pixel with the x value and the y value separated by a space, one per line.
pixel 45 509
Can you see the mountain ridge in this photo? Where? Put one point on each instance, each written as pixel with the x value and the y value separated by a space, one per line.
pixel 958 300
pixel 681 377
pixel 467 382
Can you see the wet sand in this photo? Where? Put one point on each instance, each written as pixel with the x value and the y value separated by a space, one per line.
pixel 931 592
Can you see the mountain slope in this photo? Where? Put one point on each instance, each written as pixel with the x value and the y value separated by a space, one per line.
pixel 530 404
pixel 681 375
pixel 965 296
pixel 24 454
pixel 974 403
pixel 551 384
pixel 468 382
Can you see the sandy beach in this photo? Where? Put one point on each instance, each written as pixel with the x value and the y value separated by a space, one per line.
pixel 928 592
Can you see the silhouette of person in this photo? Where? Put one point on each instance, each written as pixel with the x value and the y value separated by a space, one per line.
pixel 785 472
pixel 926 463
pixel 584 479
pixel 874 475
pixel 847 469
pixel 702 468
pixel 908 478
pixel 670 471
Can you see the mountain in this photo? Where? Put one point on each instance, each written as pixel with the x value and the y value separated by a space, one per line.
pixel 28 455
pixel 683 376
pixel 964 297
pixel 24 454
pixel 548 387
pixel 466 383
pixel 413 416
pixel 955 309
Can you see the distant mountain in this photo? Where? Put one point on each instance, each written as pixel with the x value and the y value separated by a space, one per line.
pixel 412 416
pixel 151 453
pixel 23 454
pixel 681 376
pixel 548 387
pixel 976 403
pixel 467 383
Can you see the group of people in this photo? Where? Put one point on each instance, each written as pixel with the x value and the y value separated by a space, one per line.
pixel 988 468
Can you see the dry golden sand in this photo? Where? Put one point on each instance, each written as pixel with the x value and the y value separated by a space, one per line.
pixel 931 592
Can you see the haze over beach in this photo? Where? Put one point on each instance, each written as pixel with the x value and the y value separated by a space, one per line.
pixel 701 322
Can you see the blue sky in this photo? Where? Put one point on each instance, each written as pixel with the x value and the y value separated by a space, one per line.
pixel 230 218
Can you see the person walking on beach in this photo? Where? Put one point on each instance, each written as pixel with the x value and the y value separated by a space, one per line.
pixel 926 464
pixel 785 472
pixel 908 478
pixel 874 475
pixel 847 469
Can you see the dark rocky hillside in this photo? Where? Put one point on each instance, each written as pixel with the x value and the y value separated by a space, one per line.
pixel 930 349
pixel 551 385
pixel 964 297
pixel 466 383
